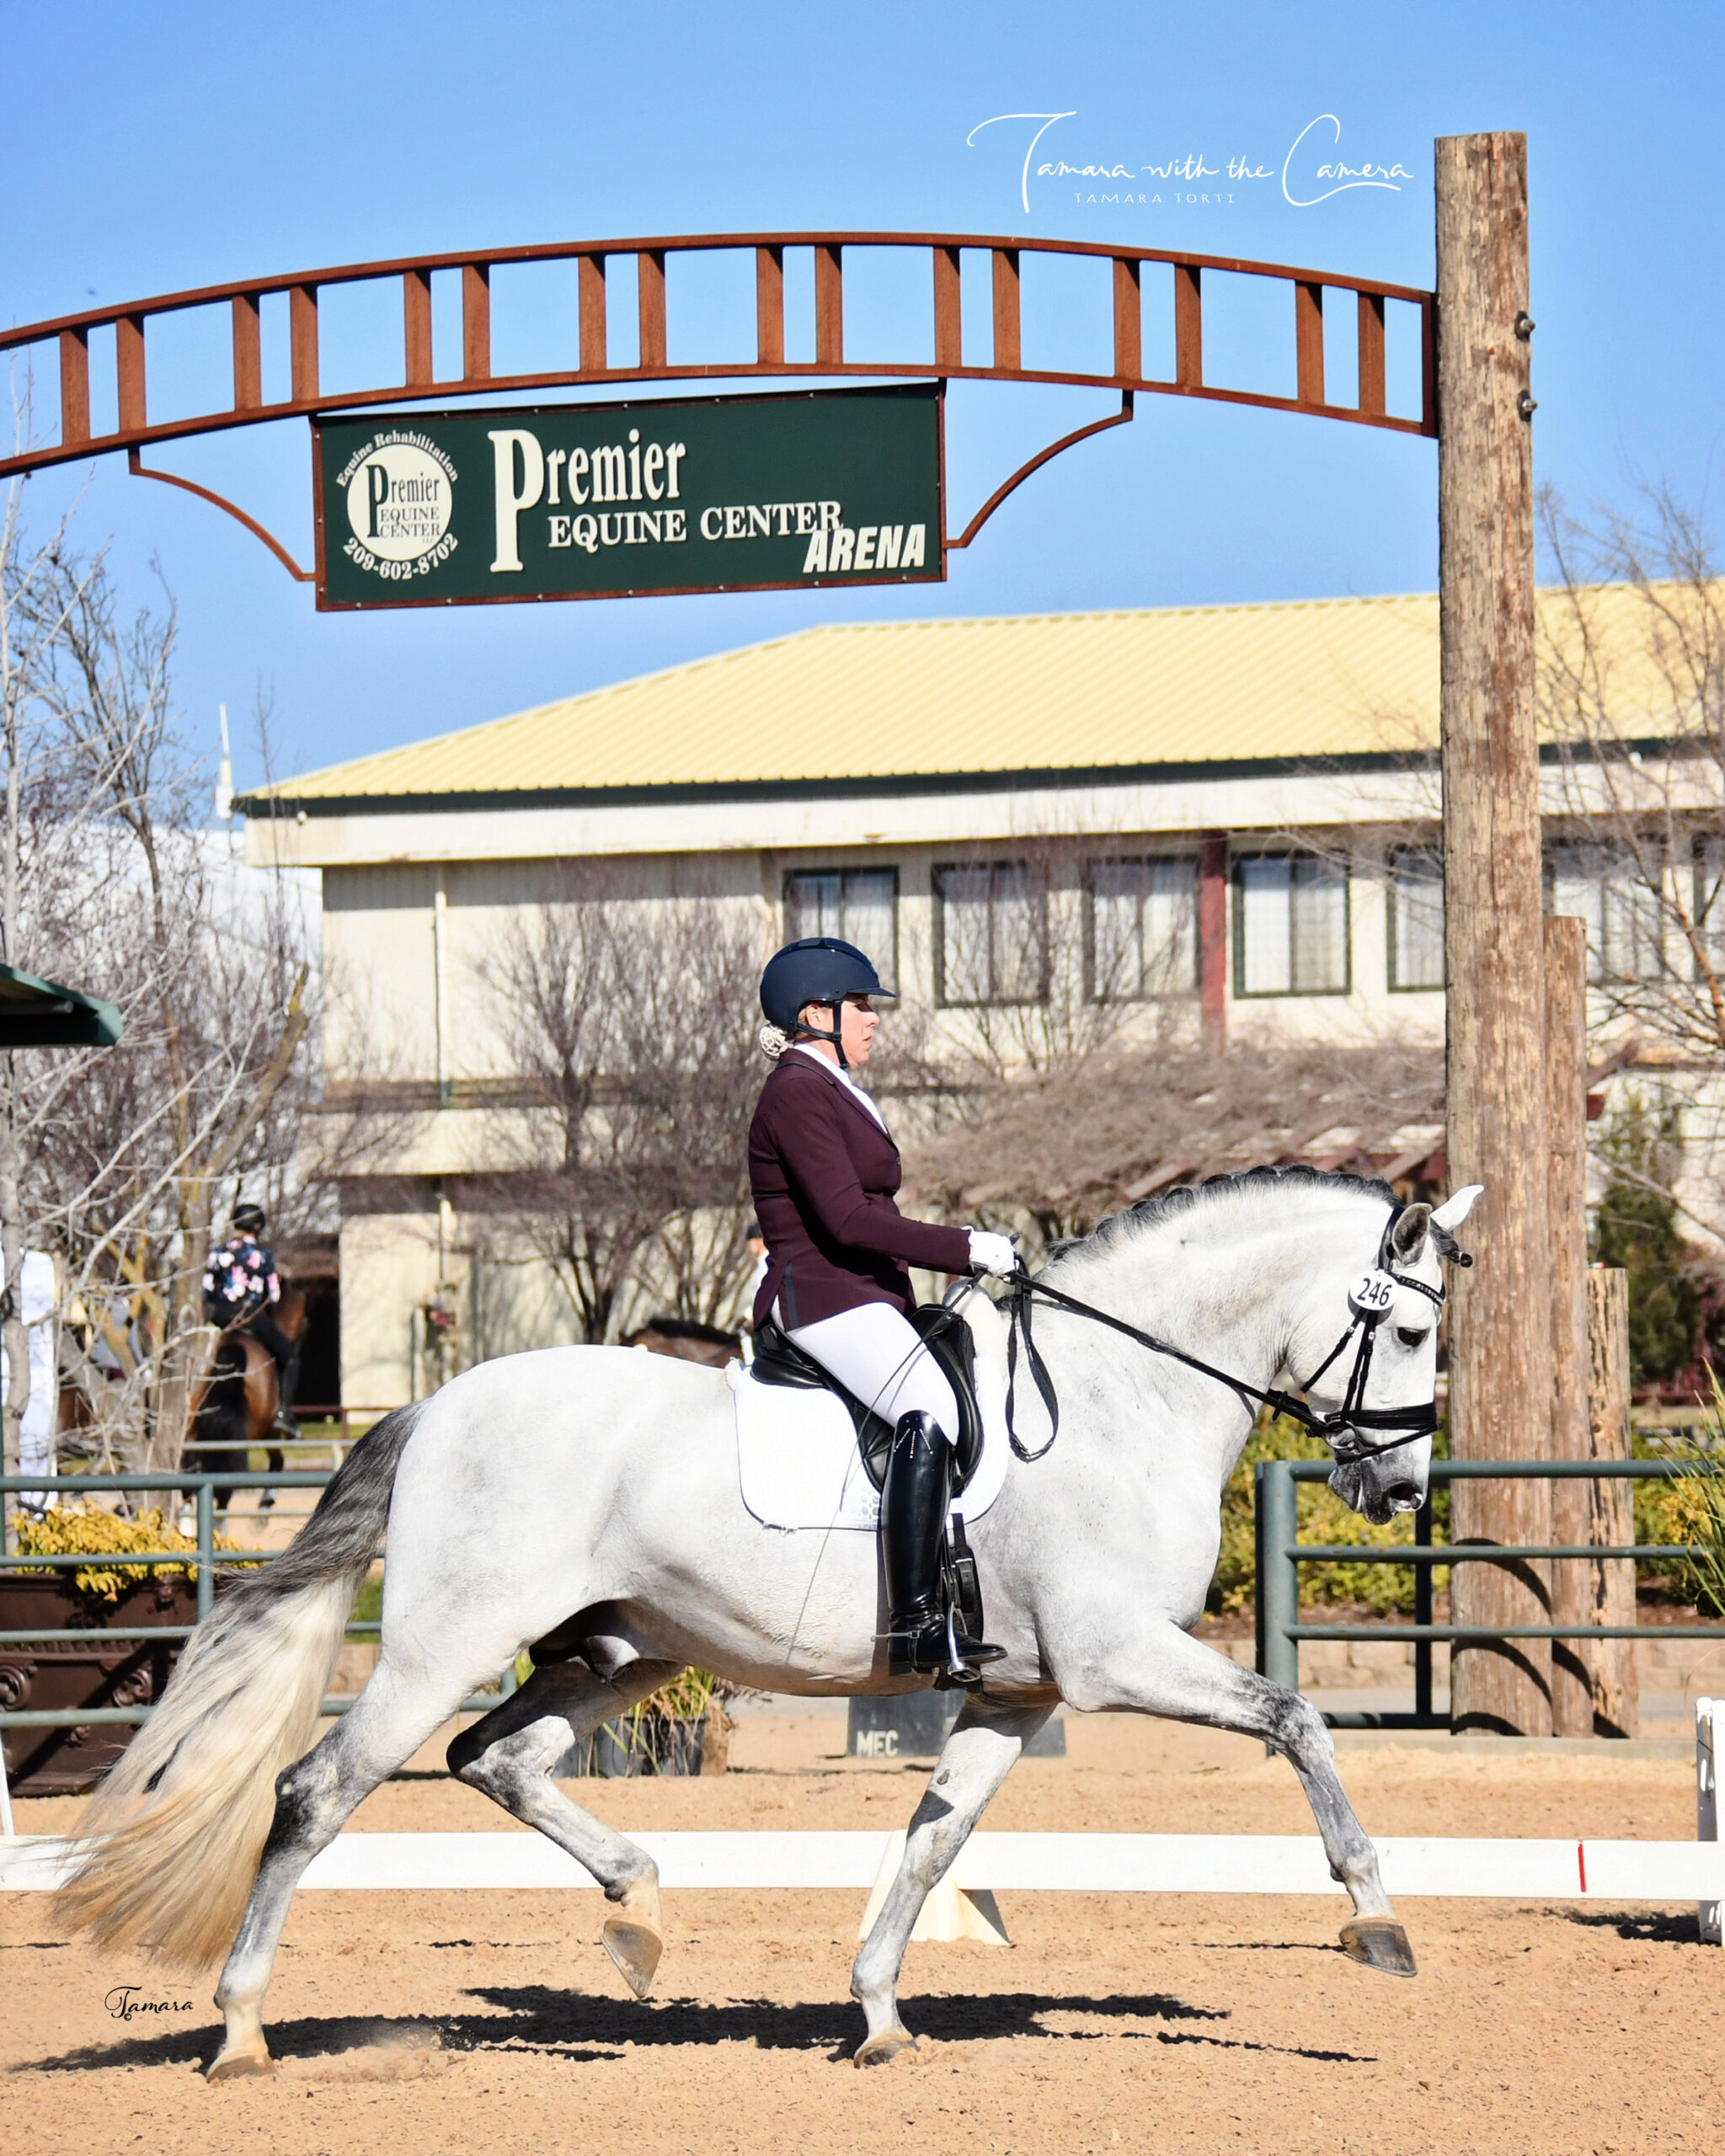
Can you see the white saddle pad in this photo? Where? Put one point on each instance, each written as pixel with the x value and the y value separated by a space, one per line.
pixel 798 1463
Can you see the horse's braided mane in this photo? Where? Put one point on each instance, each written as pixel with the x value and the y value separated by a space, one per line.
pixel 1186 1197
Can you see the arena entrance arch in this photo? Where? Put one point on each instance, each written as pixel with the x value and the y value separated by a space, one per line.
pixel 1473 395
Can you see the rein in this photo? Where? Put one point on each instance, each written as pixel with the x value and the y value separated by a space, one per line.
pixel 1369 1304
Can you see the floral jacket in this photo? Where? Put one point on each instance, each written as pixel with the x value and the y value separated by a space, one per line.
pixel 240 1271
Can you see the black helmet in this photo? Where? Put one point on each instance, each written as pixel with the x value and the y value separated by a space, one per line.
pixel 249 1219
pixel 816 969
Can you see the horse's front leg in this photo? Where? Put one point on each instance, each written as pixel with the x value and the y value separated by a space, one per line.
pixel 1168 1672
pixel 981 1753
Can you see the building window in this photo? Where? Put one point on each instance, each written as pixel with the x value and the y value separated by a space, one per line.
pixel 1143 924
pixel 990 939
pixel 1601 884
pixel 860 905
pixel 1290 926
pixel 1416 956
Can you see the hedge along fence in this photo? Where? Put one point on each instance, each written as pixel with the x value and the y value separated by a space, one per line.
pixel 1689 1509
pixel 1323 1518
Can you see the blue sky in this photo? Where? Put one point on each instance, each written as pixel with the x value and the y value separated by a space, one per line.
pixel 170 145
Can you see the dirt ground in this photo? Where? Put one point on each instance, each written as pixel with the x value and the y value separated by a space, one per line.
pixel 480 2023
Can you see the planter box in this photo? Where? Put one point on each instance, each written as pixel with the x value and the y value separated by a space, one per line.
pixel 69 1673
pixel 655 1744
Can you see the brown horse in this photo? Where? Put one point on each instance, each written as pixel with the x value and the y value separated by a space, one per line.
pixel 238 1401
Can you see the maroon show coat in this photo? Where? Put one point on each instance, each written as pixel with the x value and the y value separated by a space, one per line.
pixel 824 1174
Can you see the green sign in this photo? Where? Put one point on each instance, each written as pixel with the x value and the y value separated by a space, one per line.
pixel 612 501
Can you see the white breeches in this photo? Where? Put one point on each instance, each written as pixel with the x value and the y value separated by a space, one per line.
pixel 876 1353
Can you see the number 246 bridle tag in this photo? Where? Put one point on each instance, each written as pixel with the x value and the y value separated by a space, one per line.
pixel 1372 1293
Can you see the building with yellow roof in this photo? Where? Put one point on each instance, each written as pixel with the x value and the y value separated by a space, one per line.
pixel 1218 820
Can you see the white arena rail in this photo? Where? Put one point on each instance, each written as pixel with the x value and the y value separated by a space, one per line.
pixel 1111 1864
pixel 1514 1870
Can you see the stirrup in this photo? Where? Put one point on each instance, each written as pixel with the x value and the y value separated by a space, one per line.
pixel 284 1426
pixel 931 1646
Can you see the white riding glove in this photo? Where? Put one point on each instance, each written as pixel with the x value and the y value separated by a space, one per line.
pixel 993 1253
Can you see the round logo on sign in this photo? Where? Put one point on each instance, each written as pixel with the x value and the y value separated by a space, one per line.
pixel 399 498
pixel 1371 1293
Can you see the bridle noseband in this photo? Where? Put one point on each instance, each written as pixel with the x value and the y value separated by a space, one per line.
pixel 1343 1431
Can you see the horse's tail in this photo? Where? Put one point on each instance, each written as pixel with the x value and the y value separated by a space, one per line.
pixel 221 1416
pixel 174 1835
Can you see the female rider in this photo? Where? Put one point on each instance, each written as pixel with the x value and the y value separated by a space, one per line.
pixel 824 1170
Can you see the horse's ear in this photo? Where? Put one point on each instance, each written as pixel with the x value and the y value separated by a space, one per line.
pixel 1407 1236
pixel 1455 1209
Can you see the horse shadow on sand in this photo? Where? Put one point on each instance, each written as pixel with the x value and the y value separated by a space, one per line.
pixel 578 2027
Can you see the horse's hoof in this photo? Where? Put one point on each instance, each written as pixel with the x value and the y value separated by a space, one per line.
pixel 635 1947
pixel 883 2049
pixel 229 2065
pixel 1380 1943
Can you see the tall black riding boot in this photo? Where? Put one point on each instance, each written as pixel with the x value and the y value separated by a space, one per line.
pixel 913 1515
pixel 287 1384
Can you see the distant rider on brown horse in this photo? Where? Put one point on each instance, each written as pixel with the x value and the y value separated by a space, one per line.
pixel 241 1285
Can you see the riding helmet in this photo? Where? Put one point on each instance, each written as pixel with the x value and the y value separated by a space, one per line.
pixel 249 1219
pixel 815 970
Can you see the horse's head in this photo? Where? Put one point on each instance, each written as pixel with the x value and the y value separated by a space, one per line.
pixel 1388 1367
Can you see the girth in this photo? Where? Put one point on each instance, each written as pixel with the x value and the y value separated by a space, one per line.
pixel 778 1360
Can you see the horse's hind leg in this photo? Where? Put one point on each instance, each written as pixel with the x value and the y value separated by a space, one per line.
pixel 1178 1676
pixel 510 1755
pixel 313 1801
pixel 981 1753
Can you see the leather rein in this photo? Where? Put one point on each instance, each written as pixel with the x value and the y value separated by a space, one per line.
pixel 1369 1304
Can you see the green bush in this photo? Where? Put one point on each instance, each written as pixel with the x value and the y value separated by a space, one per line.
pixel 1636 1227
pixel 1323 1518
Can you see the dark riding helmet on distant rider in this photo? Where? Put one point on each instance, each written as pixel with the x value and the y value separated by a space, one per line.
pixel 249 1219
pixel 822 969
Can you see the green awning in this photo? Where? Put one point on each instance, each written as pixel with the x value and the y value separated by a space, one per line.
pixel 41 1014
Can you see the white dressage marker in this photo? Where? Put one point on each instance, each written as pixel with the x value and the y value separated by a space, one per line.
pixel 951 1911
pixel 1522 1870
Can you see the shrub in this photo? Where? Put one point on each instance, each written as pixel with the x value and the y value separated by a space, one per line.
pixel 70 1530
pixel 1323 1518
pixel 1636 1227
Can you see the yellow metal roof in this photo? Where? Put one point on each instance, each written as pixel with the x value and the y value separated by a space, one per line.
pixel 1192 685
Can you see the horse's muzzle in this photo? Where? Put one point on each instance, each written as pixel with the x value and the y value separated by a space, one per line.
pixel 1390 1482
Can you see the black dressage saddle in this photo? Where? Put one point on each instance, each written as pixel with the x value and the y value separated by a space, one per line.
pixel 778 1360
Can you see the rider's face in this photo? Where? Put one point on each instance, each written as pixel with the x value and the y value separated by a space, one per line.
pixel 857 1020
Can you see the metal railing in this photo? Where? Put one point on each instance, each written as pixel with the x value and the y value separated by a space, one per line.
pixel 1280 1553
pixel 206 1558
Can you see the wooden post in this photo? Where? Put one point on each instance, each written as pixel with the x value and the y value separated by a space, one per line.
pixel 1213 942
pixel 1566 1132
pixel 1617 1691
pixel 1500 1381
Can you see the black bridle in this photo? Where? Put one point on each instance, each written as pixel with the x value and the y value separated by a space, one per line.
pixel 1343 1431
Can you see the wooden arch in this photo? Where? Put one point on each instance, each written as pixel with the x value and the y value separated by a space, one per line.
pixel 67 340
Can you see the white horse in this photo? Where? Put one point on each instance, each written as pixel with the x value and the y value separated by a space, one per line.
pixel 587 1499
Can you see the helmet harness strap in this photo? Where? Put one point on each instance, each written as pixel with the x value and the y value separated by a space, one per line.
pixel 836 1036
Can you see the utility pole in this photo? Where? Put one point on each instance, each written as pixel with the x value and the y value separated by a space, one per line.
pixel 1572 1505
pixel 1500 1368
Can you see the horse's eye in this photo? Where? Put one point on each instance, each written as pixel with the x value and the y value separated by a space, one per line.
pixel 1411 1335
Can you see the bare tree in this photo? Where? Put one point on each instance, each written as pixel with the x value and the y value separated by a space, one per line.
pixel 43 816
pixel 1631 685
pixel 122 1154
pixel 1632 695
pixel 628 1023
pixel 1054 1154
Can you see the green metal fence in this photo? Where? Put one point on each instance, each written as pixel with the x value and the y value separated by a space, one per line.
pixel 199 1490
pixel 1280 1553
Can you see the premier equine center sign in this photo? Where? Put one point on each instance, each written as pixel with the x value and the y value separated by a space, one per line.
pixel 609 501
